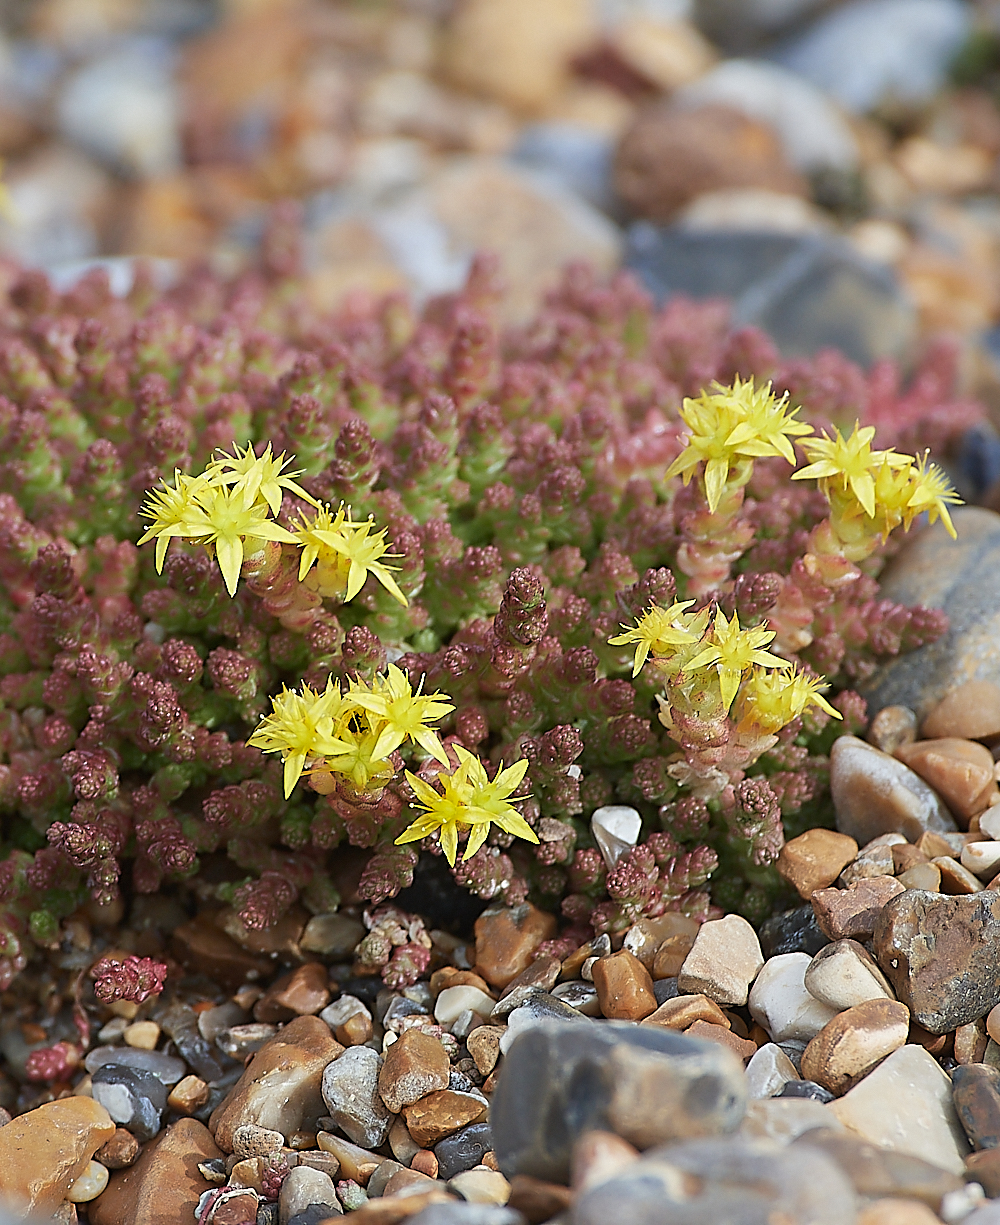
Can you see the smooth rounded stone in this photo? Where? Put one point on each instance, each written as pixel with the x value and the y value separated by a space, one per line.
pixel 970 711
pixel 954 878
pixel 874 794
pixel 165 1068
pixel 850 1045
pixel 581 996
pixel 440 1113
pixel 453 1001
pixel 854 911
pixel 120 1151
pixel 976 1094
pixel 414 1066
pixel 892 1211
pixel 44 1151
pixel 578 158
pixel 213 1021
pixel 132 1097
pixel 647 1084
pixel 845 974
pixel 302 1187
pixel 181 1022
pixel 90 1184
pixel 332 935
pixel 241 1040
pixel 280 1087
pixel 769 1071
pixel 616 829
pixel 350 1090
pixel 938 954
pixel 875 862
pixel 781 1004
pixel 781 1120
pixel 481 1186
pixel 510 1000
pixel 735 1180
pixel 960 771
pixel 815 859
pixel 984 1167
pixel 506 940
pixel 962 576
pixel 989 822
pixel 905 1104
pixel 142 1035
pixel 356 1164
pixel 892 726
pixel 537 1010
pixel 982 859
pixel 723 962
pixel 466 1214
pixel 869 51
pixel 808 1090
pixel 813 132
pixel 624 987
pixel 463 1149
pixel 543 973
pixel 794 931
pixel 737 25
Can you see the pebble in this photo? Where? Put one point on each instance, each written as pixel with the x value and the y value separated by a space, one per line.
pixel 971 1042
pixel 120 1151
pixel 780 1120
pixel 213 1021
pixel 538 1009
pixel 203 948
pixel 984 1167
pixel 970 711
pixel 874 794
pixel 805 1090
pixel 350 1088
pixel 844 974
pixel 624 987
pixel 342 1010
pixel 484 1046
pixel 683 1010
pixel 742 1048
pixel 303 992
pixel 453 1001
pixel 239 1041
pixel 356 1164
pixel 44 1151
pixel 854 911
pixel 959 983
pixel 740 24
pixel 598 1156
pixel 414 1066
pixel 90 1184
pixel 652 939
pixel 639 1085
pixel 892 727
pixel 132 1097
pixel 582 997
pixel 463 1149
pixel 921 876
pixel 164 1185
pixel 280 1087
pixel 440 1113
pixel 850 1045
pixel 781 1004
pixel 815 859
pixel 249 1140
pixel 905 1104
pixel 794 931
pixel 768 1071
pixel 543 973
pixel 875 861
pixel 188 1095
pixel 723 962
pixel 466 1214
pixel 332 935
pixel 982 859
pixel 143 1035
pixel 506 940
pixel 181 1023
pixel 303 1187
pixel 891 1211
pixel 960 771
pixel 976 1094
pixel 616 829
pixel 481 1186
pixel 165 1068
pixel 955 879
pixel 989 822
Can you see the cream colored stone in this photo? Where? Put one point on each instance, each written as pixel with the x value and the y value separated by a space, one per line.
pixel 90 1184
pixel 845 974
pixel 781 1004
pixel 481 1185
pixel 724 960
pixel 143 1035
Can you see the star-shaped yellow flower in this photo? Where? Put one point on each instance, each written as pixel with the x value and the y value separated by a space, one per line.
pixel 401 714
pixel 733 651
pixel 842 464
pixel 301 727
pixel 345 554
pixel 172 509
pixel 772 699
pixel 261 478
pixel 931 491
pixel 660 631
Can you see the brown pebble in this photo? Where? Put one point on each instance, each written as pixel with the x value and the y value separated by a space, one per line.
pixel 850 1045
pixel 538 1201
pixel 683 1010
pixel 490 1161
pixel 188 1095
pixel 355 1031
pixel 934 1044
pixel 424 1162
pixel 439 1114
pixel 984 1168
pixel 203 949
pixel 971 1041
pixel 921 876
pixel 853 912
pixel 120 1151
pixel 302 1140
pixel 573 964
pixel 543 972
pixel 506 940
pixel 484 1046
pixel 599 1156
pixel 384 1211
pixel 743 1048
pixel 960 771
pixel 933 845
pixel 970 711
pixel 956 879
pixel 892 726
pixel 416 1064
pixel 815 859
pixel 905 856
pixel 356 1164
pixel 646 937
pixel 449 976
pixel 303 992
pixel 624 987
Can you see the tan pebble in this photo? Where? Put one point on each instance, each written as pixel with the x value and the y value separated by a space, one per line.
pixel 877 861
pixel 506 940
pixel 543 972
pixel 743 1048
pixel 815 859
pixel 251 1140
pixel 671 955
pixel 873 793
pixel 401 1182
pixel 599 1156
pixel 993 1023
pixel 414 1066
pixel 892 1211
pixel 355 1031
pixel 120 1151
pixel 484 1046
pixel 683 1010
pixel 188 1095
pixel 921 876
pixel 624 987
pixel 989 822
pixel 424 1162
pixel 536 1199
pixel 954 878
pixel 125 1008
pixel 854 1042
pixel 90 1184
pixel 853 912
pixel 646 937
pixel 982 859
pixel 844 974
pixel 573 964
pixel 143 1035
pixel 724 960
pixel 481 1186
pixel 303 992
pixel 449 976
pixel 970 712
pixel 933 844
pixel 960 771
pixel 934 1044
pixel 439 1114
pixel 326 1163
pixel 906 856
pixel 357 1164
pixel 892 726
pixel 203 948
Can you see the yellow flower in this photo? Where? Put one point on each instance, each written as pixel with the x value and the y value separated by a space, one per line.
pixel 346 554
pixel 357 757
pixel 772 699
pixel 932 492
pixel 261 478
pixel 661 631
pixel 737 423
pixel 229 520
pixel 301 728
pixel 469 799
pixel 172 508
pixel 732 651
pixel 401 713
pixel 841 464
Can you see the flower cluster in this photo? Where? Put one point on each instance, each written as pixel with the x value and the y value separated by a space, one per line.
pixel 133 979
pixel 391 618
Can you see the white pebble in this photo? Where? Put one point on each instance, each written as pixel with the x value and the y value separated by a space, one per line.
pixel 780 1002
pixel 89 1185
pixel 481 1185
pixel 982 859
pixel 453 1001
pixel 616 830
pixel 768 1071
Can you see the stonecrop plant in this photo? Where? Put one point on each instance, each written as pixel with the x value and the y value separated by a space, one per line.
pixel 276 582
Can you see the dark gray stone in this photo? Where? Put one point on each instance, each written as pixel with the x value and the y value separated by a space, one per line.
pixel 738 1183
pixel 963 578
pixel 134 1098
pixel 463 1149
pixel 648 1085
pixel 805 1088
pixel 976 1092
pixel 665 989
pixel 740 25
pixel 794 931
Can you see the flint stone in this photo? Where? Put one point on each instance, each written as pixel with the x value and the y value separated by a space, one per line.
pixel 132 1097
pixel 976 1093
pixel 963 577
pixel 794 931
pixel 463 1149
pixel 737 1181
pixel 939 954
pixel 874 794
pixel 646 1084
